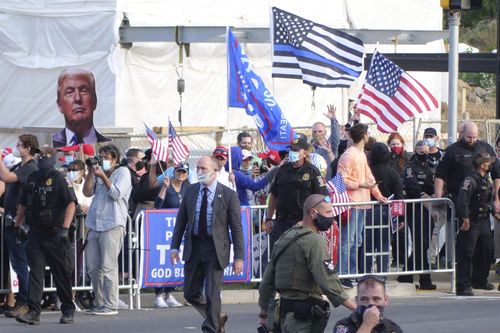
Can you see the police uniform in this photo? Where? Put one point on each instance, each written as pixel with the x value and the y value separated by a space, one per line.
pixel 45 196
pixel 434 158
pixel 474 202
pixel 417 180
pixel 301 270
pixel 352 323
pixel 456 164
pixel 291 187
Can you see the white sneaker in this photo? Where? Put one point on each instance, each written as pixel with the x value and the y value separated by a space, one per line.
pixel 160 302
pixel 172 302
pixel 122 305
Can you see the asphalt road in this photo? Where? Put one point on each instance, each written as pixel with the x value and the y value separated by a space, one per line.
pixel 441 314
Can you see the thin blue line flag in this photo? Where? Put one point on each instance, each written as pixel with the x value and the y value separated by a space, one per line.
pixel 247 90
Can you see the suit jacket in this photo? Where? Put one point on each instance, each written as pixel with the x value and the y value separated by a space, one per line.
pixel 225 215
pixel 59 138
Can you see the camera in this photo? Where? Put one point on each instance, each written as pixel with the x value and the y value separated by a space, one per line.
pixel 94 160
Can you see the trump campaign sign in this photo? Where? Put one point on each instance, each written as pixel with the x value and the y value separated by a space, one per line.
pixel 157 229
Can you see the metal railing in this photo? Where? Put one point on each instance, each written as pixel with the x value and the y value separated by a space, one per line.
pixel 370 238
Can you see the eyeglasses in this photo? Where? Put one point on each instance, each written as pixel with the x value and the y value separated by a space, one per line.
pixel 324 199
pixel 378 278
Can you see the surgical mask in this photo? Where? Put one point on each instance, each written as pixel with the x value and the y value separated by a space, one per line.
pixel 323 222
pixel 106 165
pixel 248 171
pixel 74 175
pixel 16 152
pixel 397 150
pixel 362 308
pixel 205 178
pixel 45 163
pixel 293 156
pixel 421 157
pixel 68 159
pixel 431 143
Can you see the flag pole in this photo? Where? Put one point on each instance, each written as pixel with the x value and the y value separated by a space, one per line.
pixel 227 103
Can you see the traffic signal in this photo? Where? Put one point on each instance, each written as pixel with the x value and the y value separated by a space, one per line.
pixel 461 4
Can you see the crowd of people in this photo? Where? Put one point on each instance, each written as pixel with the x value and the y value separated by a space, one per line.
pixel 52 191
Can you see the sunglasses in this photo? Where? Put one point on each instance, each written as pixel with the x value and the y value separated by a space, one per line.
pixel 220 151
pixel 378 278
pixel 324 199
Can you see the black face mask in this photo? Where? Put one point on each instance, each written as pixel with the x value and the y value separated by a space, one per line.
pixel 422 157
pixel 45 163
pixel 323 222
pixel 139 165
pixel 362 308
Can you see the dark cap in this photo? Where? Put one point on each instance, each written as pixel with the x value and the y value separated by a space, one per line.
pixel 45 150
pixel 482 158
pixel 430 132
pixel 221 151
pixel 182 166
pixel 299 143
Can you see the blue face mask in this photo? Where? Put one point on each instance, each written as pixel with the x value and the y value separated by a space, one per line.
pixel 293 156
pixel 431 143
pixel 68 159
pixel 106 165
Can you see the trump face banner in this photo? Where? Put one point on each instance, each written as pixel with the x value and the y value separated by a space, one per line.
pixel 156 235
pixel 247 90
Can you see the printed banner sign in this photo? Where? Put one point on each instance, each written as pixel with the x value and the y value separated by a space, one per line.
pixel 156 234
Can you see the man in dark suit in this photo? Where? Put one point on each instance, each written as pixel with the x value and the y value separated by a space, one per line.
pixel 208 210
pixel 77 101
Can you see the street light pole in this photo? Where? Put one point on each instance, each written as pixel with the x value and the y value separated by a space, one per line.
pixel 453 26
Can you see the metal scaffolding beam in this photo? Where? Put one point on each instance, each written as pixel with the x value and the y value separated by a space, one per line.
pixel 199 34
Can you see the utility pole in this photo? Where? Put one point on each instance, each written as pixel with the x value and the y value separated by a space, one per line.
pixel 498 60
pixel 453 26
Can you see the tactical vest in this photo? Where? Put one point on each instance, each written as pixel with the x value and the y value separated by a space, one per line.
pixel 42 200
pixel 292 273
pixel 480 204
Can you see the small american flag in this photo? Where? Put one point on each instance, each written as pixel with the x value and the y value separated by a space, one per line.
pixel 318 55
pixel 180 151
pixel 338 194
pixel 159 150
pixel 390 96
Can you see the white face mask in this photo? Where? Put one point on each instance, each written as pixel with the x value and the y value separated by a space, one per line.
pixel 16 152
pixel 205 178
pixel 74 175
pixel 106 165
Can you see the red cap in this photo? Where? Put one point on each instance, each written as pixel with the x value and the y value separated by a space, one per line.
pixel 87 149
pixel 273 155
pixel 221 151
pixel 6 151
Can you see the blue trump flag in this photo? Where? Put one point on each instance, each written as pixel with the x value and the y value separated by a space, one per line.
pixel 247 90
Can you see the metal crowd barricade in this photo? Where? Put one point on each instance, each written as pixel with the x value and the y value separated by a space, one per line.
pixel 81 283
pixel 419 241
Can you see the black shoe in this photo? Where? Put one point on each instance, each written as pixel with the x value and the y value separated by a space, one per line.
pixel 346 283
pixel 465 292
pixel 67 319
pixel 222 322
pixel 426 286
pixel 487 286
pixel 5 307
pixel 29 318
pixel 17 311
pixel 405 279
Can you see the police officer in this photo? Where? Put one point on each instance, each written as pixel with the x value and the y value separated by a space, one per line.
pixel 456 163
pixel 301 270
pixel 293 183
pixel 418 181
pixel 435 153
pixel 474 239
pixel 369 315
pixel 47 204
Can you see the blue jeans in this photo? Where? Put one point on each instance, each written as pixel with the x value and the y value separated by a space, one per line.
pixel 19 262
pixel 377 240
pixel 351 237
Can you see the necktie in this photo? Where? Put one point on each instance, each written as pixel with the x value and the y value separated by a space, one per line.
pixel 202 221
pixel 76 140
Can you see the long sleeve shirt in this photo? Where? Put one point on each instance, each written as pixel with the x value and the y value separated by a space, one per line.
pixel 355 170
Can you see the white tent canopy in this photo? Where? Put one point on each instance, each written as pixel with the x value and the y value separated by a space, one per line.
pixel 41 37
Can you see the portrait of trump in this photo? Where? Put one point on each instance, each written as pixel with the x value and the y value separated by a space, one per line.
pixel 77 101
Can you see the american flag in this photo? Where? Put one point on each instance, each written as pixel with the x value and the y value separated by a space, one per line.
pixel 318 55
pixel 180 151
pixel 338 193
pixel 159 150
pixel 390 96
